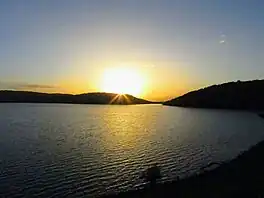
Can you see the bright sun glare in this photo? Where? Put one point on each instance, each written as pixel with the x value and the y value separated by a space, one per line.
pixel 123 81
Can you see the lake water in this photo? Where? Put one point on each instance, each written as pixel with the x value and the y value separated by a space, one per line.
pixel 85 150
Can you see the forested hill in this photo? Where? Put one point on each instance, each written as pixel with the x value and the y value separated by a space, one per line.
pixel 89 98
pixel 248 95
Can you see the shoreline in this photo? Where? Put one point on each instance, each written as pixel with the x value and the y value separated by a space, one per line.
pixel 242 176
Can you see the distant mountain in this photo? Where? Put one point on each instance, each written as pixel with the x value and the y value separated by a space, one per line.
pixel 89 98
pixel 248 95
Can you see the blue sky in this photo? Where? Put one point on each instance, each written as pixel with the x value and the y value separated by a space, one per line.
pixel 201 42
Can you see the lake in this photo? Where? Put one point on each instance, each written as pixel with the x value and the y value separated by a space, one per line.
pixel 85 150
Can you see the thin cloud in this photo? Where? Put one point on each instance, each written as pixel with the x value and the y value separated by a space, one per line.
pixel 222 39
pixel 25 86
pixel 36 86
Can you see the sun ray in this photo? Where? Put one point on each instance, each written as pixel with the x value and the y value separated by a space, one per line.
pixel 127 99
pixel 114 99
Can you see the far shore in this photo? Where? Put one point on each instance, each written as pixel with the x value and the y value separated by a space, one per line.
pixel 241 177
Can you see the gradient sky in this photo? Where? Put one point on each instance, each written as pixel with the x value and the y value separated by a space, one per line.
pixel 64 45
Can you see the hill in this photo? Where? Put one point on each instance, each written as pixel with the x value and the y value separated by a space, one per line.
pixel 247 95
pixel 88 98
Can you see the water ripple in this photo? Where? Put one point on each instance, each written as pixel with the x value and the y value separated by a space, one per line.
pixel 83 150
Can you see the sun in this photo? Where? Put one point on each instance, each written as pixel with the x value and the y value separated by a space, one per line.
pixel 123 81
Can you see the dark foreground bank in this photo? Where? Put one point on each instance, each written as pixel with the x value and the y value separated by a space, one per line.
pixel 240 177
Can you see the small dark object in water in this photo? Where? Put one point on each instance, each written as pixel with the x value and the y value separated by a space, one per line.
pixel 152 174
pixel 261 115
pixel 210 166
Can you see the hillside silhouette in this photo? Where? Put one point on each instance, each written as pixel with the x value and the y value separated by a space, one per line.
pixel 88 98
pixel 247 95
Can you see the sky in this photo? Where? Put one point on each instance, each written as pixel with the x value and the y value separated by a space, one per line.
pixel 66 45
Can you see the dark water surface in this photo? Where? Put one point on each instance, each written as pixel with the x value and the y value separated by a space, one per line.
pixel 86 150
